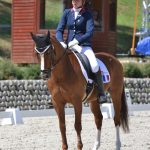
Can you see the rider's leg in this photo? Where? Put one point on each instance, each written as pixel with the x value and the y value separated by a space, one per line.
pixel 95 69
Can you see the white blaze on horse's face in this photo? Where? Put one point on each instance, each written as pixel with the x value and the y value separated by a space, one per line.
pixel 42 61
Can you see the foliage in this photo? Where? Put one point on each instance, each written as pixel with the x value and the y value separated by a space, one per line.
pixel 5 30
pixel 9 70
pixel 146 70
pixel 52 18
pixel 135 70
pixel 5 13
pixel 31 71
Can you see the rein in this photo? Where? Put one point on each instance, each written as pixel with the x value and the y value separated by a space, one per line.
pixel 58 60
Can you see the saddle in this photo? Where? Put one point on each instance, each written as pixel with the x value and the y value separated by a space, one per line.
pixel 89 75
pixel 86 64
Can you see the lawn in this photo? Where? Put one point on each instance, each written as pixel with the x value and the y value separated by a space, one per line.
pixel 125 22
pixel 5 33
pixel 5 11
pixel 53 13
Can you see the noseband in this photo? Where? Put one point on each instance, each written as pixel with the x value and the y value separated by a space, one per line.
pixel 42 50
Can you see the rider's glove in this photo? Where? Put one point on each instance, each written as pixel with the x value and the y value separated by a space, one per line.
pixel 63 45
pixel 72 43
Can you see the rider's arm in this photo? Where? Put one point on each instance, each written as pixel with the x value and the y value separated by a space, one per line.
pixel 61 27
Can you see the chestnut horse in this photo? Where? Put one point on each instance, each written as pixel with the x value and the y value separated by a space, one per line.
pixel 67 84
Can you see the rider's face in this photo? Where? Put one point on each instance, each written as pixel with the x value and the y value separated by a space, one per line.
pixel 77 3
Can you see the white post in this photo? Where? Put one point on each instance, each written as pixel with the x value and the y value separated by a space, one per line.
pixel 13 118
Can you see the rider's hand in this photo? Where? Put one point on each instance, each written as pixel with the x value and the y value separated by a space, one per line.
pixel 63 45
pixel 72 43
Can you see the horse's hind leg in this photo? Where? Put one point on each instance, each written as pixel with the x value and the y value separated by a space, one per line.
pixel 95 108
pixel 77 125
pixel 61 116
pixel 116 98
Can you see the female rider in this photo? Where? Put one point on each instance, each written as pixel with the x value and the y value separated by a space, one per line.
pixel 80 25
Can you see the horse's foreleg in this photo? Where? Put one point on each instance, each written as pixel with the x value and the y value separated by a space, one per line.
pixel 61 116
pixel 95 108
pixel 77 125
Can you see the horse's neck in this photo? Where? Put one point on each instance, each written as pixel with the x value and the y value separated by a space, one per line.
pixel 64 69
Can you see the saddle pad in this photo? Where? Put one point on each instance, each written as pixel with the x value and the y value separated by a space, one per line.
pixel 104 71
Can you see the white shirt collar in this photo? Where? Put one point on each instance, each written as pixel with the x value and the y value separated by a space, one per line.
pixel 77 10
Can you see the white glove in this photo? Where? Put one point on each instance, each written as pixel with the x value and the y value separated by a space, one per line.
pixel 76 48
pixel 63 45
pixel 72 43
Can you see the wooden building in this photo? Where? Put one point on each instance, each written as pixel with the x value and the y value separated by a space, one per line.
pixel 32 16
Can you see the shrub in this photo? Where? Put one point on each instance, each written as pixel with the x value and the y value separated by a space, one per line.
pixel 9 70
pixel 131 70
pixel 146 70
pixel 31 71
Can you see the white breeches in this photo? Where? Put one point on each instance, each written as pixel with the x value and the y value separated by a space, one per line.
pixel 90 55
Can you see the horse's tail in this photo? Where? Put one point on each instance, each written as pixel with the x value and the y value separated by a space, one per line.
pixel 124 112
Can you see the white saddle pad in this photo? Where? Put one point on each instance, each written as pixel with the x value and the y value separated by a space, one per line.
pixel 102 66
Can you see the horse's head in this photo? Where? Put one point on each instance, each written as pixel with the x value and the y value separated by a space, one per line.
pixel 43 48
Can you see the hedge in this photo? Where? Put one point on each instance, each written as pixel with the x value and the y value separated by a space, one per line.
pixel 12 71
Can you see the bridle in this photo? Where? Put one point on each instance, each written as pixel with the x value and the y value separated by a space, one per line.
pixel 38 49
pixel 53 65
pixel 53 62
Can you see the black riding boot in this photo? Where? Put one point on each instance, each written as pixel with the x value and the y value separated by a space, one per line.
pixel 100 87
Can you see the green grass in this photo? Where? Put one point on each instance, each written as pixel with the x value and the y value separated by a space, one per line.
pixel 5 33
pixel 53 13
pixel 5 11
pixel 125 23
pixel 126 12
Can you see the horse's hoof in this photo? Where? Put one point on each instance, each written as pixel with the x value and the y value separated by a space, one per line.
pixel 96 146
pixel 80 146
pixel 64 147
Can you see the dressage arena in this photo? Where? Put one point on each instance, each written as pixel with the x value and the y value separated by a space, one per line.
pixel 42 133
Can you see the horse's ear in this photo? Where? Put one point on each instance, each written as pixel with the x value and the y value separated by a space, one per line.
pixel 48 34
pixel 33 36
